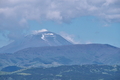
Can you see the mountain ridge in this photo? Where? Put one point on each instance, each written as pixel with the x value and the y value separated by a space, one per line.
pixel 77 54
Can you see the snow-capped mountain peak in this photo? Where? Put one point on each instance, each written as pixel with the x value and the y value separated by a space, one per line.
pixel 40 38
pixel 47 35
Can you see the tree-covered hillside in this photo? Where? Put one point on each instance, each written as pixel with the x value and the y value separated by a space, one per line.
pixel 66 55
pixel 73 72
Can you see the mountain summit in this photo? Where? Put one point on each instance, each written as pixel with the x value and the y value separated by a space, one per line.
pixel 37 39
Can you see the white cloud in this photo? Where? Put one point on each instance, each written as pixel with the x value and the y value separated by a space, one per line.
pixel 54 15
pixel 58 9
pixel 14 14
pixel 39 31
pixel 69 37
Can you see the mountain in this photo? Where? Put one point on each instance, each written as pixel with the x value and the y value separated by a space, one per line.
pixel 62 55
pixel 39 39
pixel 72 72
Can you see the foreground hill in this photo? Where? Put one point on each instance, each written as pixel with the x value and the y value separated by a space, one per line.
pixel 63 55
pixel 74 72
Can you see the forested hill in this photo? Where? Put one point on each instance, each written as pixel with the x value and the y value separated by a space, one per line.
pixel 68 55
pixel 73 72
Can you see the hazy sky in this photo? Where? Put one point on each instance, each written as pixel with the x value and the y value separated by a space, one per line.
pixel 79 21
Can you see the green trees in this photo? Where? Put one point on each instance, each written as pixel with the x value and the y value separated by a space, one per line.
pixel 73 72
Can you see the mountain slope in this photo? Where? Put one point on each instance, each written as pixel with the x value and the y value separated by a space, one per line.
pixel 45 38
pixel 68 55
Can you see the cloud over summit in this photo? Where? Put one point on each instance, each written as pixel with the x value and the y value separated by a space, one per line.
pixel 16 13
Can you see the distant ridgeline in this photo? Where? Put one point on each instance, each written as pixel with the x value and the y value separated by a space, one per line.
pixel 73 72
pixel 77 54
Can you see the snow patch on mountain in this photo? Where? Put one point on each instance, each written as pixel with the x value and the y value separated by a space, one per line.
pixel 43 37
pixel 47 35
